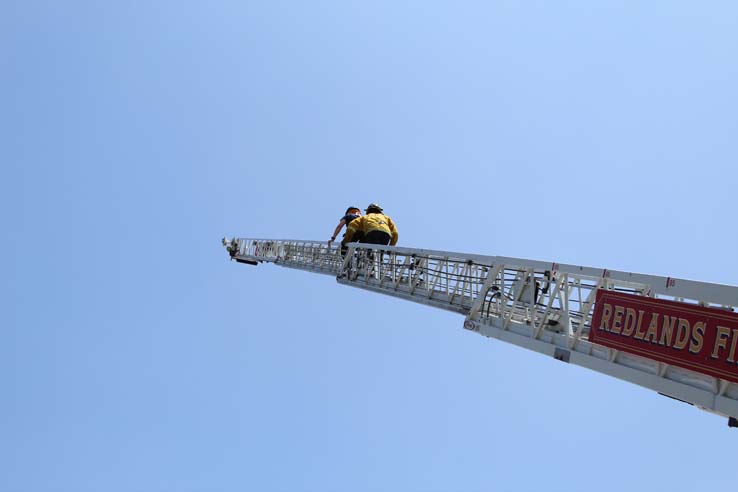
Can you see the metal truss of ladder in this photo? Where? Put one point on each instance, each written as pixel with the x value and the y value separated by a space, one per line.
pixel 545 307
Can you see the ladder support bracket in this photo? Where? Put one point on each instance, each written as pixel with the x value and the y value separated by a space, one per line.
pixel 562 354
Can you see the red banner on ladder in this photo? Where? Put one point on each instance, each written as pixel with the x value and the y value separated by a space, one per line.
pixel 686 335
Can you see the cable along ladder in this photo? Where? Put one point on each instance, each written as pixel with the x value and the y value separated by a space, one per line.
pixel 545 307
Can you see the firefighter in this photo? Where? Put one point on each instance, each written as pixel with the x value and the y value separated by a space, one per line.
pixel 374 227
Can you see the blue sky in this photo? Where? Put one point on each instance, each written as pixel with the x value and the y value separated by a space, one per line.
pixel 135 356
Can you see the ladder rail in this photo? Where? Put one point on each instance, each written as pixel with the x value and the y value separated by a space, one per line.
pixel 542 306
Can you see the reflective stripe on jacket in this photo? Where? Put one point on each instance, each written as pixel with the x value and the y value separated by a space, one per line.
pixel 372 222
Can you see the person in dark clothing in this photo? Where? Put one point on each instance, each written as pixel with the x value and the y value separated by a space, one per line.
pixel 351 214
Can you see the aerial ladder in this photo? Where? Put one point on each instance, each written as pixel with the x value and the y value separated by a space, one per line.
pixel 674 336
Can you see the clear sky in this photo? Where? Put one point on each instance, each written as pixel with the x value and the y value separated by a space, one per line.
pixel 136 357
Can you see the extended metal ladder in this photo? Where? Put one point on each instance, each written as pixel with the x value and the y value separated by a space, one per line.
pixel 545 307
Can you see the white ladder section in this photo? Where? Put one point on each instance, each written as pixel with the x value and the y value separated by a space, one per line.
pixel 541 306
